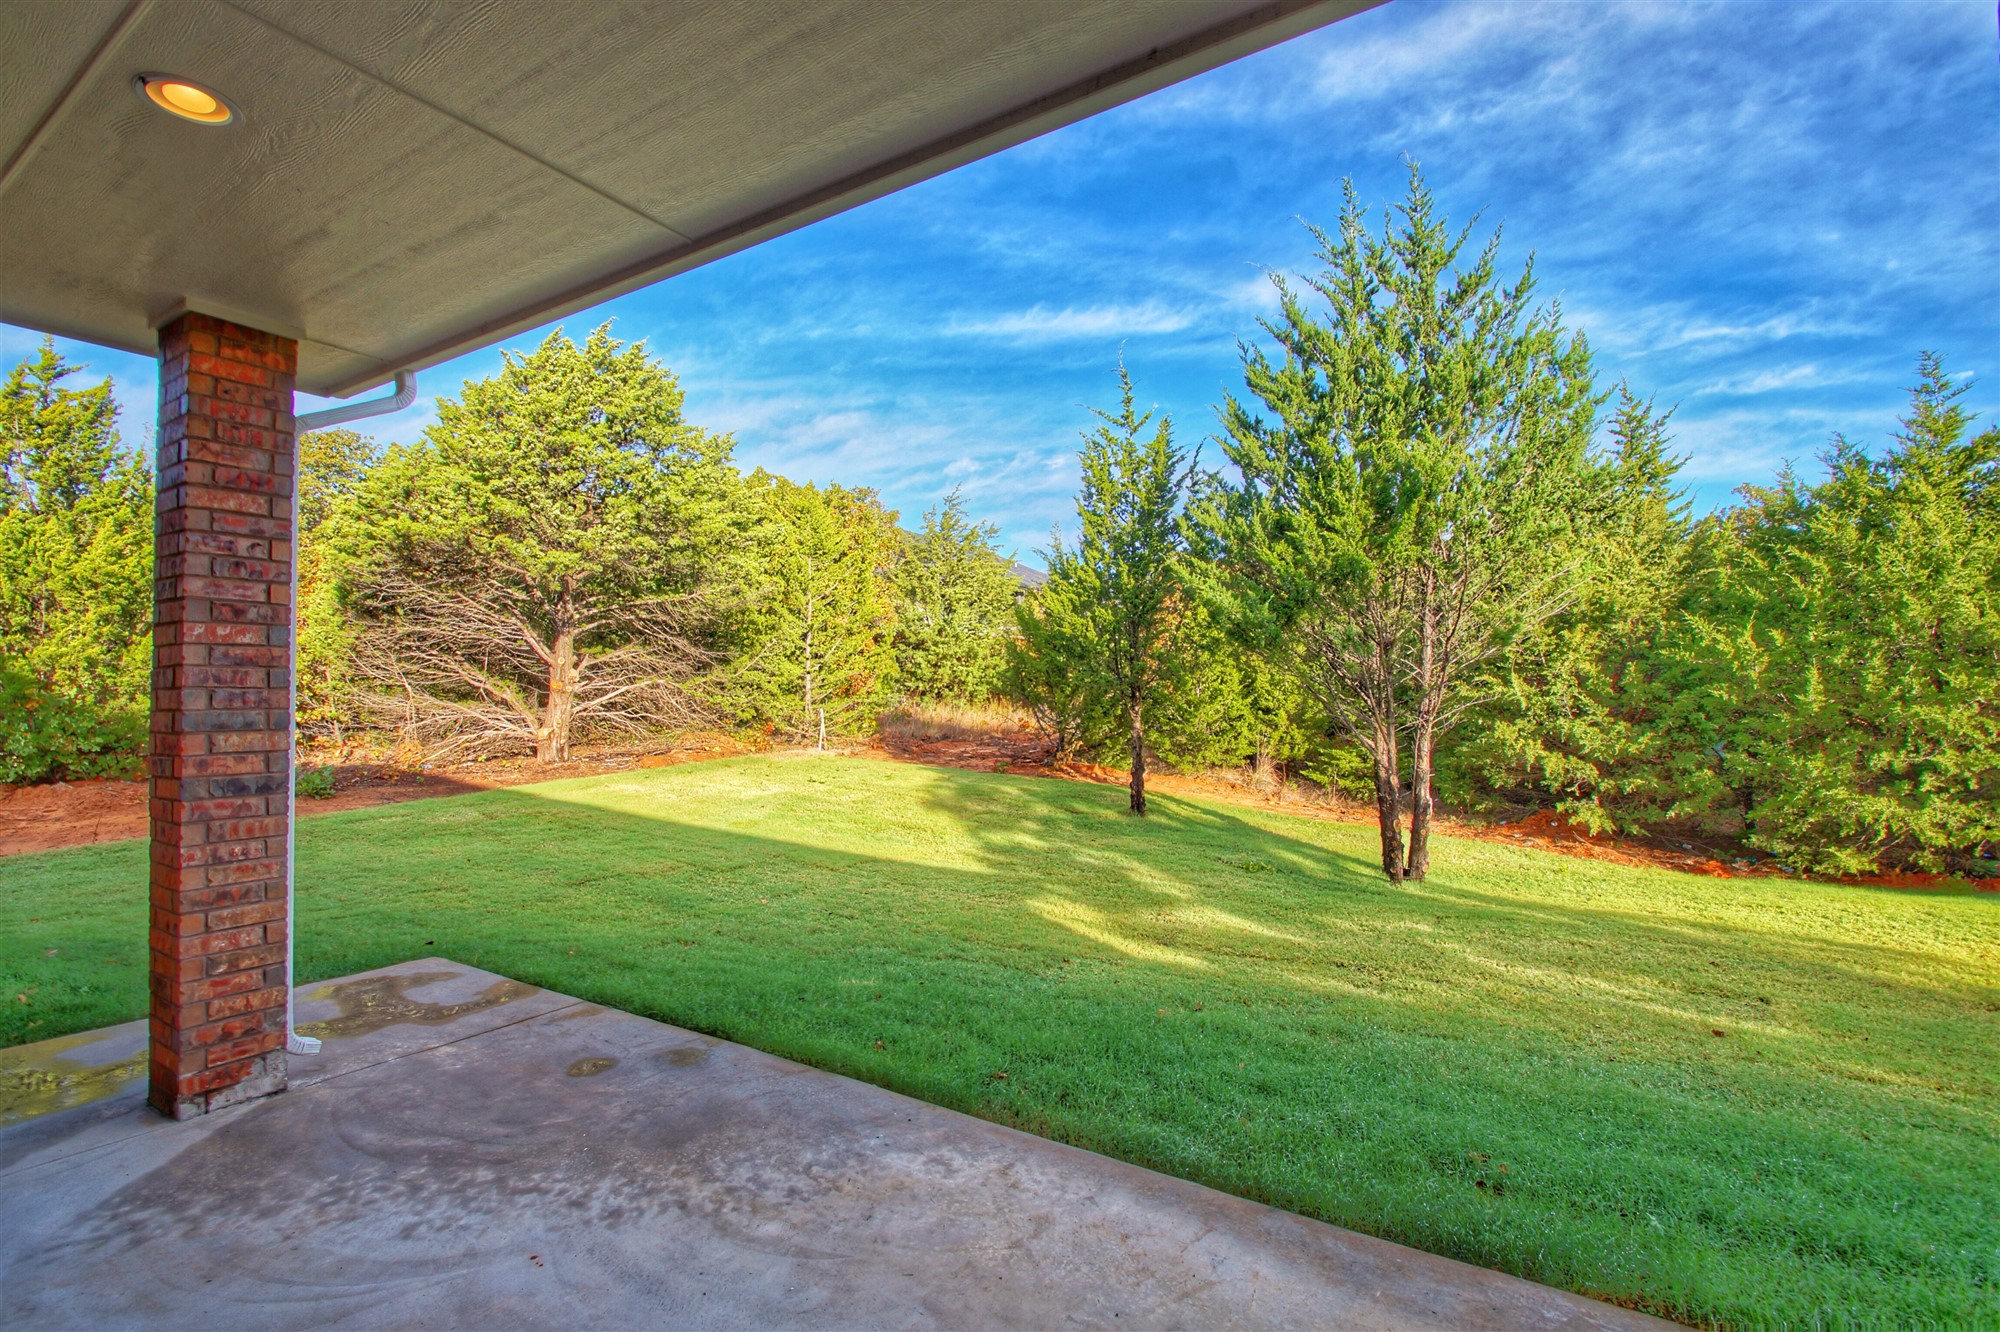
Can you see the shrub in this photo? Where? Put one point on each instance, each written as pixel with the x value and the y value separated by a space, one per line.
pixel 314 782
pixel 49 734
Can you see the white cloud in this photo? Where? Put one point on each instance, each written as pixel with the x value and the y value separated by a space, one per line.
pixel 1040 323
pixel 1778 379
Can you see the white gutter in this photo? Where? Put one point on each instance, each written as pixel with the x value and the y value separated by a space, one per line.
pixel 405 394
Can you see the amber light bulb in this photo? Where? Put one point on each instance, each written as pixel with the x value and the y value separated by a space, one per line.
pixel 189 101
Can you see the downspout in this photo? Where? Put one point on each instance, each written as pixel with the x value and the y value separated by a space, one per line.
pixel 405 394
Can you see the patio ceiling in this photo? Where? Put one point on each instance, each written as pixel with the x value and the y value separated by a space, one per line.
pixel 411 179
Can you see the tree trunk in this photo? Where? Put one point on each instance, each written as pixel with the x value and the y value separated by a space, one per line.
pixel 806 658
pixel 1422 748
pixel 1423 740
pixel 1138 758
pixel 559 714
pixel 1389 802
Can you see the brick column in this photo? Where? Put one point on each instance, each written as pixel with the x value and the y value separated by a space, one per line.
pixel 221 751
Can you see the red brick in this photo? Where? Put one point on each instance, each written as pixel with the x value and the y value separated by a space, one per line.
pixel 225 589
pixel 179 744
pixel 209 765
pixel 255 914
pixel 248 828
pixel 215 1078
pixel 247 1047
pixel 254 446
pixel 275 610
pixel 209 990
pixel 235 371
pixel 237 721
pixel 246 742
pixel 177 878
pixel 229 941
pixel 221 964
pixel 178 926
pixel 251 524
pixel 249 654
pixel 261 996
pixel 222 895
pixel 269 358
pixel 247 698
pixel 250 871
pixel 229 635
pixel 243 391
pixel 220 499
pixel 223 1031
pixel 242 413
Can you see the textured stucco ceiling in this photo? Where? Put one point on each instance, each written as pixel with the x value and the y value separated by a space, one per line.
pixel 410 179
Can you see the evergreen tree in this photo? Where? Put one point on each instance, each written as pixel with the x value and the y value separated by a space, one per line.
pixel 1047 671
pixel 333 465
pixel 1581 710
pixel 954 608
pixel 548 559
pixel 1104 623
pixel 818 658
pixel 76 585
pixel 1222 707
pixel 1413 491
pixel 1846 641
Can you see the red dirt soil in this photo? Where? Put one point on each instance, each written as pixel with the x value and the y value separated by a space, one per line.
pixel 44 818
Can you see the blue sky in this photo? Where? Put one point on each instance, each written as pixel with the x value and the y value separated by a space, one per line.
pixel 1757 211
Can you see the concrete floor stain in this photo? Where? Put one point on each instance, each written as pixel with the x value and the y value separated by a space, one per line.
pixel 590 1068
pixel 374 1002
pixel 36 1079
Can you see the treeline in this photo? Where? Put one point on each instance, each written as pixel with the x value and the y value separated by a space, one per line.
pixel 1439 559
pixel 561 557
pixel 1431 558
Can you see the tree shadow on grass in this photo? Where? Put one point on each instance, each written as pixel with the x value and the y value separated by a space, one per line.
pixel 1194 992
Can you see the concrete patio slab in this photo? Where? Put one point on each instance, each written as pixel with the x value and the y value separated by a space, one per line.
pixel 472 1152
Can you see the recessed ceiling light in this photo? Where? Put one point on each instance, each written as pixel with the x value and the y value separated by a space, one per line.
pixel 184 98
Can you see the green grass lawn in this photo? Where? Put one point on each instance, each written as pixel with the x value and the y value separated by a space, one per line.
pixel 1744 1102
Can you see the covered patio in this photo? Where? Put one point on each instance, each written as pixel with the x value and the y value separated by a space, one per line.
pixel 276 196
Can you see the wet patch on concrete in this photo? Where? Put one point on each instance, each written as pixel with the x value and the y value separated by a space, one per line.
pixel 590 1068
pixel 685 1056
pixel 44 1077
pixel 572 1013
pixel 374 1002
